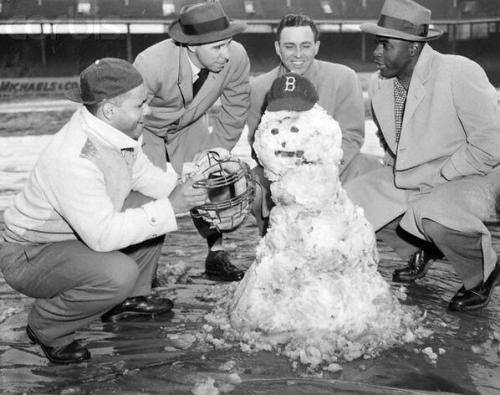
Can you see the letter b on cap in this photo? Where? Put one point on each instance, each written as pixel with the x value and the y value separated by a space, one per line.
pixel 290 83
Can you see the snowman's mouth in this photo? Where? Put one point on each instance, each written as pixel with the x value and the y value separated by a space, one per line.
pixel 289 154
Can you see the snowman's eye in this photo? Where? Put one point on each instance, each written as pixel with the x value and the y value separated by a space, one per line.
pixel 294 129
pixel 274 131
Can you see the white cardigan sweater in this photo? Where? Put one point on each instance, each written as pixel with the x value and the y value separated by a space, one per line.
pixel 78 186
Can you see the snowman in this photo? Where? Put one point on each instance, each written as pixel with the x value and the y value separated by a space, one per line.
pixel 313 292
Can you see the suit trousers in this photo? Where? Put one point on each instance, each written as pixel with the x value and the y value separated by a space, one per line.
pixel 463 251
pixel 402 242
pixel 463 204
pixel 72 284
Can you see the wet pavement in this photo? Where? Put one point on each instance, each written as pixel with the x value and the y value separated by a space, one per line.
pixel 170 354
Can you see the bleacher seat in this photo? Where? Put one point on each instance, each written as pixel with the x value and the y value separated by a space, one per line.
pixel 112 9
pixel 147 9
pixel 236 9
pixel 440 9
pixel 57 9
pixel 22 9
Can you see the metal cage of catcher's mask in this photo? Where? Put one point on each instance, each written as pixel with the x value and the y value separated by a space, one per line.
pixel 230 187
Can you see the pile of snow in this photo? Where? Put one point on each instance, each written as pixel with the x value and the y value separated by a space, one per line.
pixel 313 293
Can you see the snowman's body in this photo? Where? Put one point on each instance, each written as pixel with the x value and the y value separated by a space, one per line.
pixel 314 291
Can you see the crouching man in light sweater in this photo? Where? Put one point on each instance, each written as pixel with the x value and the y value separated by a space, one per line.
pixel 68 243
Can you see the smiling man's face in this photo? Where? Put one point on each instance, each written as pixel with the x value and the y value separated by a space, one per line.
pixel 297 48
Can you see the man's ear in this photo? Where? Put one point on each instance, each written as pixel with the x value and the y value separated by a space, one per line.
pixel 277 48
pixel 316 44
pixel 413 49
pixel 108 110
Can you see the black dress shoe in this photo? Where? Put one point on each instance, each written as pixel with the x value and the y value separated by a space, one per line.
pixel 219 267
pixel 73 352
pixel 417 267
pixel 138 305
pixel 477 297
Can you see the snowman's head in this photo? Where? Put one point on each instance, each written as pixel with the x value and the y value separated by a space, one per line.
pixel 295 130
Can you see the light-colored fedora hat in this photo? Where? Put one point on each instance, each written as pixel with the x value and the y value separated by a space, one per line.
pixel 203 23
pixel 404 20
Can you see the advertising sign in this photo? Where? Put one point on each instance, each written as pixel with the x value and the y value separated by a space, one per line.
pixel 18 88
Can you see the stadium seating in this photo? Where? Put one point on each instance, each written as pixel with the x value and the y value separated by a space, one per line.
pixel 271 10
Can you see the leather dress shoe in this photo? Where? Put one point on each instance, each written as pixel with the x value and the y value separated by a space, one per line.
pixel 138 305
pixel 73 352
pixel 477 297
pixel 417 267
pixel 219 267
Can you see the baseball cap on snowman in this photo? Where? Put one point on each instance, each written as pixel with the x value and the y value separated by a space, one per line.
pixel 291 92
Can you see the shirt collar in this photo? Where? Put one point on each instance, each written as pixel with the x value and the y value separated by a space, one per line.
pixel 194 69
pixel 107 134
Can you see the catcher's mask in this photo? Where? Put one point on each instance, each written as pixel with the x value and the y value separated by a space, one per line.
pixel 231 190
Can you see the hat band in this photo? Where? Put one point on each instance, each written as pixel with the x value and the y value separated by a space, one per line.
pixel 214 25
pixel 403 26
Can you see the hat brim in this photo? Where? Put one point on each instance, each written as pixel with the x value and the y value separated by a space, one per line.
pixel 75 95
pixel 289 104
pixel 377 30
pixel 176 33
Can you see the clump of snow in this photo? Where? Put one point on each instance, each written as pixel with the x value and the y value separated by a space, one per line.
pixel 430 354
pixel 205 387
pixel 314 292
pixel 6 312
pixel 224 384
pixel 172 273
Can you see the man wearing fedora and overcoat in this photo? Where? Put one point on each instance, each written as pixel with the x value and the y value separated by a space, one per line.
pixel 199 52
pixel 439 120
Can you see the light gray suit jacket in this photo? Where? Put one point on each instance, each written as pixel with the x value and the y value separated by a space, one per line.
pixel 180 121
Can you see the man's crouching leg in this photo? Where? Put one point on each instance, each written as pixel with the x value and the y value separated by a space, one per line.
pixel 72 284
pixel 464 252
pixel 139 301
pixel 218 266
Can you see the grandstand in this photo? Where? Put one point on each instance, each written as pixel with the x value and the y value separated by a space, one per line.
pixel 240 9
pixel 61 37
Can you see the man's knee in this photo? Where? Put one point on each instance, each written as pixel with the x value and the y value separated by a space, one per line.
pixel 119 275
pixel 432 229
pixel 359 165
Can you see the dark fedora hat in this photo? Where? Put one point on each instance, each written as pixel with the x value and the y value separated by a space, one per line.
pixel 106 78
pixel 203 23
pixel 404 20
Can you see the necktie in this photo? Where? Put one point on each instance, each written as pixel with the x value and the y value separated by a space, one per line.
pixel 202 76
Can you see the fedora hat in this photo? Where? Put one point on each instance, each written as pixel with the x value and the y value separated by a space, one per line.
pixel 404 20
pixel 203 23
